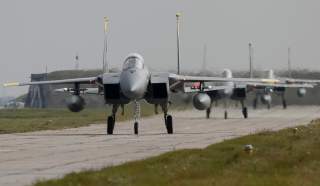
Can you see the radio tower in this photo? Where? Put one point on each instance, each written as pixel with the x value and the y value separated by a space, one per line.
pixel 289 63
pixel 204 58
pixel 77 62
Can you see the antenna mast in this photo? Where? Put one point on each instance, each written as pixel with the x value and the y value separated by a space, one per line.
pixel 178 41
pixel 105 67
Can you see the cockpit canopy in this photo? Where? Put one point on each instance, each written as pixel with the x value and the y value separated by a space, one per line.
pixel 133 61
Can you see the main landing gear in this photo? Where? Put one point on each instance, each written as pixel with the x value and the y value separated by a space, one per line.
pixel 112 119
pixel 244 109
pixel 284 102
pixel 137 111
pixel 208 112
pixel 255 103
pixel 167 118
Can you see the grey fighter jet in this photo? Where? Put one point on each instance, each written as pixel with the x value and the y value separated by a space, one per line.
pixel 237 91
pixel 264 93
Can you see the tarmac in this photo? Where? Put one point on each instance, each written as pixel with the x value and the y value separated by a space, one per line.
pixel 28 157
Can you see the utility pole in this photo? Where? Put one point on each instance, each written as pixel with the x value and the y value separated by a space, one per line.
pixel 105 67
pixel 178 15
pixel 204 62
pixel 250 60
pixel 289 63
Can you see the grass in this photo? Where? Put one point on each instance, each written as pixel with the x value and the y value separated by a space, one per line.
pixel 27 120
pixel 281 158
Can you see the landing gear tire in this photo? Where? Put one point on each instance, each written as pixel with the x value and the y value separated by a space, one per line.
pixel 169 124
pixel 284 104
pixel 110 125
pixel 255 103
pixel 136 128
pixel 225 115
pixel 245 112
pixel 208 111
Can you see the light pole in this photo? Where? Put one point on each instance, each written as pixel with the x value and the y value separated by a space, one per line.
pixel 105 67
pixel 178 15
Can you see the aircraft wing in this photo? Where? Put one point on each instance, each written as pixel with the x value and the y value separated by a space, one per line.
pixel 291 85
pixel 240 82
pixel 183 78
pixel 88 80
pixel 312 81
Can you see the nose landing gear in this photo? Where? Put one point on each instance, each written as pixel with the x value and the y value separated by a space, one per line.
pixel 137 113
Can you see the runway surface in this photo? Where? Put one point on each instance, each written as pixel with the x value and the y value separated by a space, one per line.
pixel 25 158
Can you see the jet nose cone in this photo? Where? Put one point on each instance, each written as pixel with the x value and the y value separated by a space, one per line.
pixel 132 90
pixel 133 86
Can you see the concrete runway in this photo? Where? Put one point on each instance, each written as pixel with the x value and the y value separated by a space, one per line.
pixel 27 157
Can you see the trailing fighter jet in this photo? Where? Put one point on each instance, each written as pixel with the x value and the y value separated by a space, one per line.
pixel 135 82
pixel 264 93
pixel 238 91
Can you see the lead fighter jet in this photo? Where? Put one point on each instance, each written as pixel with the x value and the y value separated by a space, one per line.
pixel 135 82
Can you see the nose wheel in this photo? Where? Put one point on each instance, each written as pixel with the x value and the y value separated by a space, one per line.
pixel 137 113
pixel 136 128
pixel 269 106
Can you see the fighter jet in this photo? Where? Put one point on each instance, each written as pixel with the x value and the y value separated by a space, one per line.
pixel 135 82
pixel 237 91
pixel 264 93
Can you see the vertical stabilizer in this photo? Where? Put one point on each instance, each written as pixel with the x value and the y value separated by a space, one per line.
pixel 105 67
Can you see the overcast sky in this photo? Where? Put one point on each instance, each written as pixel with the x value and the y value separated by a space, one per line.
pixel 36 33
